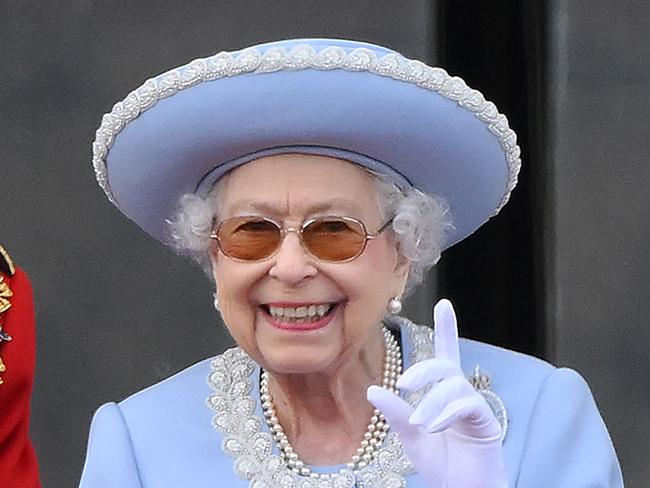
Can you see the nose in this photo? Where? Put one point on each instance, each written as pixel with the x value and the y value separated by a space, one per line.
pixel 292 265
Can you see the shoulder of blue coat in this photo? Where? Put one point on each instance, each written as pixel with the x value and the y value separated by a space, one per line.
pixel 474 351
pixel 419 339
pixel 517 378
pixel 165 422
pixel 508 370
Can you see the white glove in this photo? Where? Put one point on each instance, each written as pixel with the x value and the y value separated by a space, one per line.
pixel 452 437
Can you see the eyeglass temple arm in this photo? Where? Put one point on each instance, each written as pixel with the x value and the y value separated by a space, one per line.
pixel 382 228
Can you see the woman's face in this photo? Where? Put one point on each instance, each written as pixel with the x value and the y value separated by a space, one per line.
pixel 289 189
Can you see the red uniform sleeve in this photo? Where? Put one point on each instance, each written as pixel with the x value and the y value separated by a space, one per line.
pixel 18 466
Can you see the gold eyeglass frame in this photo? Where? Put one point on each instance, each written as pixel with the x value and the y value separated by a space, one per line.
pixel 299 230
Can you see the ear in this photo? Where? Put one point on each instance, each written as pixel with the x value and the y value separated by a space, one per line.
pixel 402 268
pixel 213 251
pixel 213 254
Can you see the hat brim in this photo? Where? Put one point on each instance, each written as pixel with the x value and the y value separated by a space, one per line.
pixel 433 139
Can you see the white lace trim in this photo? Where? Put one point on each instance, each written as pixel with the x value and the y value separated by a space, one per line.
pixel 252 448
pixel 235 418
pixel 300 57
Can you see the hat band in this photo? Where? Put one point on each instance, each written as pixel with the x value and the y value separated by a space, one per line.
pixel 208 181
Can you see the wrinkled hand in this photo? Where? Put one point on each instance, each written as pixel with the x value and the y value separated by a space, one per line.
pixel 452 437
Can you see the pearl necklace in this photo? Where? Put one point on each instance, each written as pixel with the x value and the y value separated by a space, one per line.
pixel 375 432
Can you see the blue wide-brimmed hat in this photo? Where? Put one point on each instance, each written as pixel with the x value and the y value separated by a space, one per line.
pixel 182 130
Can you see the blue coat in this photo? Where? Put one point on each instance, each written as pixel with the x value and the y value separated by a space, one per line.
pixel 164 437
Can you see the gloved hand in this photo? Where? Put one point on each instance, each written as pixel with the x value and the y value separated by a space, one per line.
pixel 452 437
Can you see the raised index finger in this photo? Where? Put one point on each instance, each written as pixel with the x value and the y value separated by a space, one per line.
pixel 446 332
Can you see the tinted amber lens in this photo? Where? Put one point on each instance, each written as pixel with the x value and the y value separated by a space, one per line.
pixel 334 239
pixel 248 238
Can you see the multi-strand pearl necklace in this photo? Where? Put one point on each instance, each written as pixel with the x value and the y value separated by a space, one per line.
pixel 375 432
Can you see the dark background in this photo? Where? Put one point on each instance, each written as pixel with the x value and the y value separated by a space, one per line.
pixel 562 273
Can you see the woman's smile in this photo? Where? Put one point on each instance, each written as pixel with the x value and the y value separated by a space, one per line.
pixel 300 317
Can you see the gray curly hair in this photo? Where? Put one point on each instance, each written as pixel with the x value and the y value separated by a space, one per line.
pixel 420 225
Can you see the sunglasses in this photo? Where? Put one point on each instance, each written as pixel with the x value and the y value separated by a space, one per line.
pixel 332 239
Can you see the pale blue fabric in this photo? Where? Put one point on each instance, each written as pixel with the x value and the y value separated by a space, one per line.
pixel 162 437
pixel 187 141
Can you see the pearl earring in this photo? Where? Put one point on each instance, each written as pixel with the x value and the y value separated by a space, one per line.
pixel 216 302
pixel 394 306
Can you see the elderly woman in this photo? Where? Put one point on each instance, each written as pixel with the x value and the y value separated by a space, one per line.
pixel 317 180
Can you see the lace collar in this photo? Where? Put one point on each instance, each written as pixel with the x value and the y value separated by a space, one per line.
pixel 246 438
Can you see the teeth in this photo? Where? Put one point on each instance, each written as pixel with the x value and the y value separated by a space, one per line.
pixel 299 314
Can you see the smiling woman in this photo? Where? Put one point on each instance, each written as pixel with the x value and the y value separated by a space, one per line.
pixel 316 181
pixel 296 188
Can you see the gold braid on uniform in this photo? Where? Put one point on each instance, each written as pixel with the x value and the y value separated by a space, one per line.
pixel 7 268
